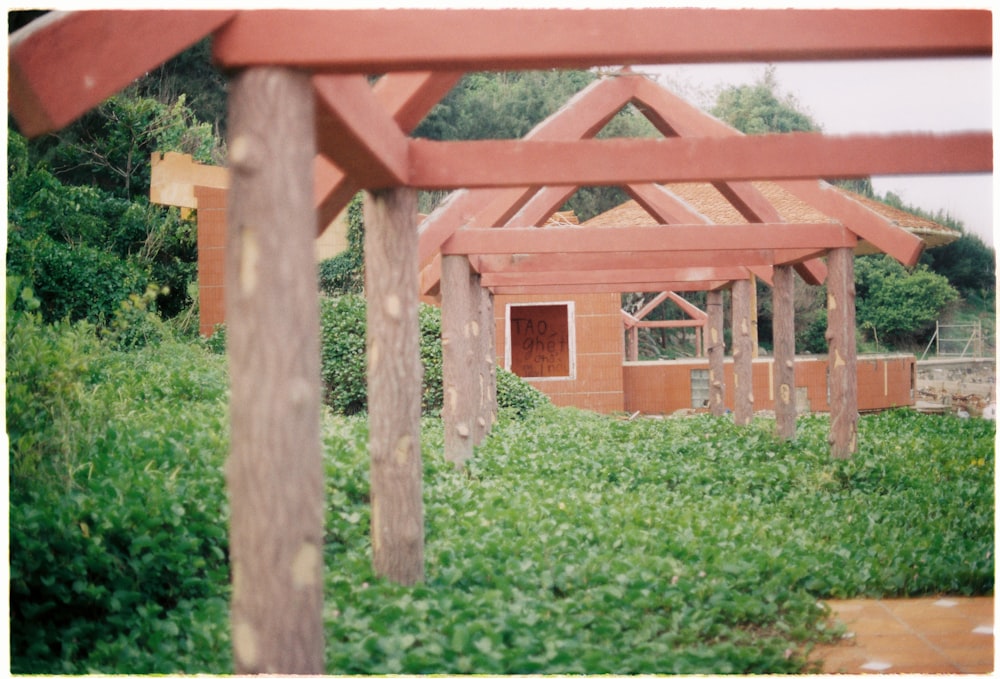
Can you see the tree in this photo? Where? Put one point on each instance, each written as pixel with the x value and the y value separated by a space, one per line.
pixel 900 305
pixel 508 105
pixel 757 108
pixel 110 146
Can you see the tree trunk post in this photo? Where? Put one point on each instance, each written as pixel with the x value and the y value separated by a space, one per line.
pixel 394 384
pixel 742 354
pixel 275 469
pixel 843 353
pixel 487 360
pixel 784 351
pixel 716 350
pixel 460 342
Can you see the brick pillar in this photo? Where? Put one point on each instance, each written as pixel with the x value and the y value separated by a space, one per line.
pixel 211 257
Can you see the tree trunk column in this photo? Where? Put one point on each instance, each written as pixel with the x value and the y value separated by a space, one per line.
pixel 460 341
pixel 487 360
pixel 394 385
pixel 843 354
pixel 784 351
pixel 716 350
pixel 275 471
pixel 742 353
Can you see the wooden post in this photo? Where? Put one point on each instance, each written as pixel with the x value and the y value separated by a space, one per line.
pixel 486 358
pixel 742 353
pixel 394 385
pixel 754 339
pixel 632 345
pixel 716 350
pixel 843 353
pixel 275 470
pixel 784 351
pixel 460 372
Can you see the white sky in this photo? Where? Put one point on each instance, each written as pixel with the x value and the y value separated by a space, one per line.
pixel 939 95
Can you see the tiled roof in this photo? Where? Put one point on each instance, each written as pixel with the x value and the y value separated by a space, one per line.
pixel 707 200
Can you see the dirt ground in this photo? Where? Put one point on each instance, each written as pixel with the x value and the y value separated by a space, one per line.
pixel 949 385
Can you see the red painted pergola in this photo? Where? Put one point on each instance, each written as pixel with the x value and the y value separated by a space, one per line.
pixel 307 131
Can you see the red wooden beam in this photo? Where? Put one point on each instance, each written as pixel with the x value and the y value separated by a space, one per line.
pixel 541 206
pixel 659 202
pixel 674 116
pixel 408 97
pixel 581 117
pixel 606 162
pixel 379 41
pixel 64 64
pixel 593 288
pixel 690 323
pixel 355 132
pixel 638 276
pixel 684 119
pixel 562 261
pixel 867 224
pixel 648 238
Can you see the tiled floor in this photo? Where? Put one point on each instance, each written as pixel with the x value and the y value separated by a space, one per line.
pixel 950 635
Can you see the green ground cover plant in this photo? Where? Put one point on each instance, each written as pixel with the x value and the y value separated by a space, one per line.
pixel 572 543
pixel 580 543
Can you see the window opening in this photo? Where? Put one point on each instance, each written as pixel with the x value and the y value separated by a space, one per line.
pixel 541 340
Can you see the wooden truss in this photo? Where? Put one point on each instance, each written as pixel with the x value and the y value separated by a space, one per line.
pixel 302 110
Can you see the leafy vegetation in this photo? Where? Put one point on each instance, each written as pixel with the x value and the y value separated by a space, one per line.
pixel 118 533
pixel 573 542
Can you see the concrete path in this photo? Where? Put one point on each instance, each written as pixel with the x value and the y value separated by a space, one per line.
pixel 946 635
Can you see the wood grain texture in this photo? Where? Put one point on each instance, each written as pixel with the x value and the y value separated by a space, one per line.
pixel 274 471
pixel 460 332
pixel 716 348
pixel 394 384
pixel 843 352
pixel 742 354
pixel 784 351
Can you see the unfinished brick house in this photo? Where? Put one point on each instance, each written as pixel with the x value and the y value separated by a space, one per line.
pixel 574 347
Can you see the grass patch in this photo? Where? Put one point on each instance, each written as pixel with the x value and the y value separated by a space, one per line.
pixel 583 544
pixel 573 543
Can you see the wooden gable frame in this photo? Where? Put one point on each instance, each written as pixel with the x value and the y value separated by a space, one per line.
pixel 293 68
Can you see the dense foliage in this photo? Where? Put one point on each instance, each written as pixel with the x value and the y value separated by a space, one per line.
pixel 343 325
pixel 573 542
pixel 80 235
pixel 899 305
pixel 345 272
pixel 117 528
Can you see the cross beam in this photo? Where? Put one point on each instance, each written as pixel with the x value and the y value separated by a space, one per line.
pixel 662 238
pixel 610 162
pixel 376 41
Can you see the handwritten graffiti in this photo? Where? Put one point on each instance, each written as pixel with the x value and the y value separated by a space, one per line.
pixel 539 341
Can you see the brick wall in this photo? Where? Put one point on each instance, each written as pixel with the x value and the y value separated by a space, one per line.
pixel 599 347
pixel 211 257
pixel 663 387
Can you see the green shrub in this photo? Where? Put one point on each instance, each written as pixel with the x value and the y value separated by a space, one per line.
pixel 343 324
pixel 117 558
pixel 49 370
pixel 517 396
pixel 344 370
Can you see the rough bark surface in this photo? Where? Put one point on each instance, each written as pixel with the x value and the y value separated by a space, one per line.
pixel 486 359
pixel 843 353
pixel 394 385
pixel 275 471
pixel 716 349
pixel 784 351
pixel 460 343
pixel 742 353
